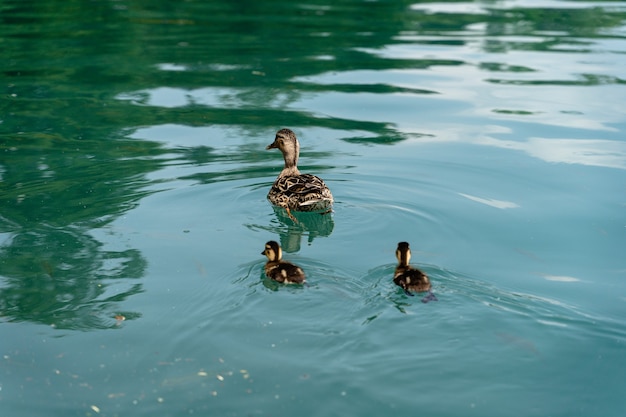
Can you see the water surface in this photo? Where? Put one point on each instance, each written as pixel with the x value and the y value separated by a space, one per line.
pixel 133 175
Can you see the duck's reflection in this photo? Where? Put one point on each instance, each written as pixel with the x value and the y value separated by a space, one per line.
pixel 311 225
pixel 291 233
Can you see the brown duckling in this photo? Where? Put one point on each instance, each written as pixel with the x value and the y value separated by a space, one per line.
pixel 279 270
pixel 407 277
pixel 293 190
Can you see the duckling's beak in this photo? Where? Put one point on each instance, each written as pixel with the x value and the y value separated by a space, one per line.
pixel 272 145
pixel 263 253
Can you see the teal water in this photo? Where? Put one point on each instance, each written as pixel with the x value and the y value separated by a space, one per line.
pixel 133 176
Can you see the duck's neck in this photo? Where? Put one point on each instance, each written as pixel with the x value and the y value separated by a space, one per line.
pixel 291 164
pixel 289 172
pixel 403 259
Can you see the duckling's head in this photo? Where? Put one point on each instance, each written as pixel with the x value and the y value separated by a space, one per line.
pixel 288 144
pixel 273 251
pixel 403 253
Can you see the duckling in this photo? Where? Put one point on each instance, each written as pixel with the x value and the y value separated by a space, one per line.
pixel 279 270
pixel 293 190
pixel 407 277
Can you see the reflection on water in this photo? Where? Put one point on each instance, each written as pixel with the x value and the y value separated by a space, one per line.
pixel 309 225
pixel 490 131
pixel 491 202
pixel 62 277
pixel 55 192
pixel 594 152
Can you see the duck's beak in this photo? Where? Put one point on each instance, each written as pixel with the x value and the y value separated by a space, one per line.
pixel 263 253
pixel 272 145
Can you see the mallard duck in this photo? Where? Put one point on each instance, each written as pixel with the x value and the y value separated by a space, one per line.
pixel 407 277
pixel 293 190
pixel 279 270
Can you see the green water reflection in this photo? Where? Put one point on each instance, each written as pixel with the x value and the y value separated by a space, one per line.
pixel 66 168
pixel 55 190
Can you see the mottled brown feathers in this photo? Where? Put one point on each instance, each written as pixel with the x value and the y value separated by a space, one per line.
pixel 279 270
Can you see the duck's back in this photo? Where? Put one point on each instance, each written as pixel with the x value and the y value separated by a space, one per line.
pixel 303 192
pixel 411 279
pixel 285 272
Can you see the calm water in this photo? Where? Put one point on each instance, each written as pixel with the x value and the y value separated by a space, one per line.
pixel 133 174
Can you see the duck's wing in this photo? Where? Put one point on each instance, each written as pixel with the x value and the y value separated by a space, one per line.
pixel 302 184
pixel 298 192
pixel 287 273
pixel 411 279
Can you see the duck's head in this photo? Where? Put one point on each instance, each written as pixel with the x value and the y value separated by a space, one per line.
pixel 403 253
pixel 288 144
pixel 273 251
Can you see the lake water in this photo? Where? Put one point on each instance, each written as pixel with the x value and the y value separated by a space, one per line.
pixel 133 175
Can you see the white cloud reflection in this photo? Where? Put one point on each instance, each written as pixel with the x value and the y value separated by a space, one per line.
pixel 561 278
pixel 491 202
pixel 483 8
pixel 598 152
pixel 593 152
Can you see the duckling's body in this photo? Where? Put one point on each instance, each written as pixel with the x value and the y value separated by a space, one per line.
pixel 279 270
pixel 407 277
pixel 292 190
